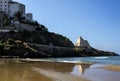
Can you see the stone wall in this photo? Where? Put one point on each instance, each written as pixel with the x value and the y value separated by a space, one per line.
pixel 22 27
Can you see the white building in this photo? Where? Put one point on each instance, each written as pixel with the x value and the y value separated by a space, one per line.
pixel 10 7
pixel 15 7
pixel 4 6
pixel 82 43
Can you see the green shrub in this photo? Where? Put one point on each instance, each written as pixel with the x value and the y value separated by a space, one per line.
pixel 38 29
pixel 11 32
pixel 6 22
pixel 11 41
pixel 2 41
pixel 1 48
pixel 26 33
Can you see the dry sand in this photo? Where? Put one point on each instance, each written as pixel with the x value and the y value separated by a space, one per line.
pixel 112 68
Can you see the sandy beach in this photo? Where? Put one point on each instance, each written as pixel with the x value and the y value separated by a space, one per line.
pixel 112 68
pixel 57 71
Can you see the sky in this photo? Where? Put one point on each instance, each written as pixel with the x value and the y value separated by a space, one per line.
pixel 97 21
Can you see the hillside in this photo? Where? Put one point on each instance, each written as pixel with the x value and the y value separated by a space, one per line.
pixel 46 38
pixel 36 44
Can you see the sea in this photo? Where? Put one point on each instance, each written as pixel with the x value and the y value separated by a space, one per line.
pixel 109 60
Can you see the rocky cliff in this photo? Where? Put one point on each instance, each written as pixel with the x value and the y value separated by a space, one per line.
pixel 19 49
pixel 34 44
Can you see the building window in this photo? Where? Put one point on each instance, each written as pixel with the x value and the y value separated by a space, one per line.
pixel 21 11
pixel 1 2
pixel 1 9
pixel 5 5
pixel 27 15
pixel 5 9
pixel 1 5
pixel 5 1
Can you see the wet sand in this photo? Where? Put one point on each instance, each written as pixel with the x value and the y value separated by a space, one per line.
pixel 56 71
pixel 100 72
pixel 37 71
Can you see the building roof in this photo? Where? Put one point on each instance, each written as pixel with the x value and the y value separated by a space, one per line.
pixel 13 2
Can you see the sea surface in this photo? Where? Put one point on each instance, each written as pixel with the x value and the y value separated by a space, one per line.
pixel 110 60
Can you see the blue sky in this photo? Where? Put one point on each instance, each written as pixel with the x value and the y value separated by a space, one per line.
pixel 97 21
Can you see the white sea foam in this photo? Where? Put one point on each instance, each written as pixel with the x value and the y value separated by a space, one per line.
pixel 66 61
pixel 36 60
pixel 101 57
pixel 86 60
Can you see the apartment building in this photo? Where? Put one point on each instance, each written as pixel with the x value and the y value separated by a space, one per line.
pixel 15 7
pixel 4 6
pixel 10 7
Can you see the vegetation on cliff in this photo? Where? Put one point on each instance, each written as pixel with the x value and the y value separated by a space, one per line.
pixel 19 49
pixel 42 43
pixel 45 38
pixel 16 48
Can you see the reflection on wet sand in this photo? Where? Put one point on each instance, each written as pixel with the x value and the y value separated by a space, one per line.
pixel 58 71
pixel 55 66
pixel 37 71
pixel 83 67
pixel 19 72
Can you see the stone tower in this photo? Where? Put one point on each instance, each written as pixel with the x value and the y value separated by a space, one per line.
pixel 82 43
